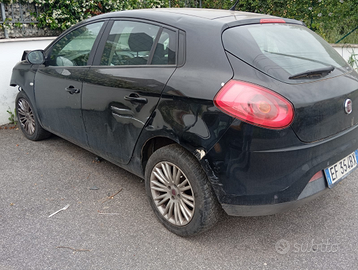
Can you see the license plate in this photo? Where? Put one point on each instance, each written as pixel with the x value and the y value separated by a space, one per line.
pixel 341 169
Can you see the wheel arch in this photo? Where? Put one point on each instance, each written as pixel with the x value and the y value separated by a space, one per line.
pixel 152 145
pixel 23 76
pixel 155 143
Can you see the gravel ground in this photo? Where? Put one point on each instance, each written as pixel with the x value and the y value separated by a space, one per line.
pixel 95 232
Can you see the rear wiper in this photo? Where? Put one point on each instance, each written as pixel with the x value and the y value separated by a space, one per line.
pixel 299 57
pixel 319 72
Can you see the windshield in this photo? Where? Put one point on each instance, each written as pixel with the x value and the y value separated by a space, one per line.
pixel 282 50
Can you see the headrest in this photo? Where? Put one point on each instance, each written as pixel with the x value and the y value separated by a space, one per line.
pixel 139 42
pixel 158 57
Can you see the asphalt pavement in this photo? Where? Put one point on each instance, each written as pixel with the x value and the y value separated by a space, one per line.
pixel 109 223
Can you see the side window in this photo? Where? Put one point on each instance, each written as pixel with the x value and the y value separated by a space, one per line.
pixel 130 43
pixel 165 52
pixel 74 48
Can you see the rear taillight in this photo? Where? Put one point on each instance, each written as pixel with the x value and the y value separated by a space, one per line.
pixel 255 105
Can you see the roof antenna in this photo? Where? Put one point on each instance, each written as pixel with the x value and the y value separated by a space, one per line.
pixel 234 6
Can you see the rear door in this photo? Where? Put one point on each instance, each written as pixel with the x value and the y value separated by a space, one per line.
pixel 58 85
pixel 122 88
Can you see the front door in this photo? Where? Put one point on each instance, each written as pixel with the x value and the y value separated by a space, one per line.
pixel 58 84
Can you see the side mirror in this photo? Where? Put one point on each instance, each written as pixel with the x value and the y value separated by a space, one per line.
pixel 36 57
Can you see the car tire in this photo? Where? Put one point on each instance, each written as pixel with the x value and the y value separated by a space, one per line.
pixel 179 191
pixel 28 120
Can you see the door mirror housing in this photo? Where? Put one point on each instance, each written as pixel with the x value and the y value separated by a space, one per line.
pixel 36 57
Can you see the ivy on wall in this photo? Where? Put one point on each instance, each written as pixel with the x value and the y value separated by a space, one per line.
pixel 61 14
pixel 332 19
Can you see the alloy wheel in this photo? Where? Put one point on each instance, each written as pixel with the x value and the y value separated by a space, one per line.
pixel 26 116
pixel 172 193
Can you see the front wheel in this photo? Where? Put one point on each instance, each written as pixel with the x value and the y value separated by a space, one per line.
pixel 179 192
pixel 27 118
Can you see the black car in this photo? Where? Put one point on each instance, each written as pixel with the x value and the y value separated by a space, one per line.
pixel 215 109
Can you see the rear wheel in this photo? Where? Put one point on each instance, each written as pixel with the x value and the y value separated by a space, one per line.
pixel 27 118
pixel 179 191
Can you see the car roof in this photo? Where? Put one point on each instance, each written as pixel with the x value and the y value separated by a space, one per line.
pixel 180 16
pixel 210 14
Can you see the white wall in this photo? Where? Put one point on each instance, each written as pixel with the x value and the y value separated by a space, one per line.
pixel 346 50
pixel 11 51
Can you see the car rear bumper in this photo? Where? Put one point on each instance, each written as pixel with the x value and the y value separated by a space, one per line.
pixel 312 191
pixel 270 173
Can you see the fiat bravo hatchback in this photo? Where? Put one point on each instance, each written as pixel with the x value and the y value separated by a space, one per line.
pixel 215 109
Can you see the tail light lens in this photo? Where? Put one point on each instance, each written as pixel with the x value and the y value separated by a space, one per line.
pixel 255 105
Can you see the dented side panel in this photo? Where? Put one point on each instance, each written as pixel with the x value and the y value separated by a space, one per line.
pixel 23 75
pixel 116 105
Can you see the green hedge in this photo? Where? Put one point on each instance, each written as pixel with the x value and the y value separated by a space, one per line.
pixel 332 19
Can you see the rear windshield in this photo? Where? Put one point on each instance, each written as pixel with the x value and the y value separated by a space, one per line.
pixel 282 50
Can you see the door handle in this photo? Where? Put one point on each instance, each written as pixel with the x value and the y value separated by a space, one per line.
pixel 136 98
pixel 72 90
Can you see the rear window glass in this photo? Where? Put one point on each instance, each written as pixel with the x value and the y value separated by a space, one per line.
pixel 131 43
pixel 282 50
